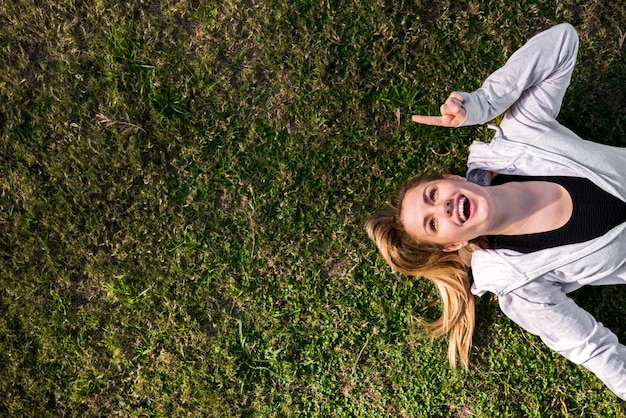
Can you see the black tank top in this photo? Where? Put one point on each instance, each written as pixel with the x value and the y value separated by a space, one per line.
pixel 594 213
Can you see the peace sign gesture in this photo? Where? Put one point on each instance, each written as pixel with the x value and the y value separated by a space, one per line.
pixel 452 113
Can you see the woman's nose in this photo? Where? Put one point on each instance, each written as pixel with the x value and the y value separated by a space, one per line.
pixel 447 207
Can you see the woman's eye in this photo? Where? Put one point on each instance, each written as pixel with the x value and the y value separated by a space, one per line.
pixel 433 195
pixel 432 225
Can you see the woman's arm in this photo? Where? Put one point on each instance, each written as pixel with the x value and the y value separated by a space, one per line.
pixel 543 309
pixel 531 84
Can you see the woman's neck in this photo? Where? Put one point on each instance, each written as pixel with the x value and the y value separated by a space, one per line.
pixel 530 207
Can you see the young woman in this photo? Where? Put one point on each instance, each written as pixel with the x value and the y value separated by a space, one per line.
pixel 540 214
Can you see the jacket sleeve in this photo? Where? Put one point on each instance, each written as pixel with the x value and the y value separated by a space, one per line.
pixel 531 84
pixel 543 309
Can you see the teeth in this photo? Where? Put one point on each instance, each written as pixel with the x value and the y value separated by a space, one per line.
pixel 461 208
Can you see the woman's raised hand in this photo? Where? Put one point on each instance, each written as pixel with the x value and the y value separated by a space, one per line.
pixel 452 113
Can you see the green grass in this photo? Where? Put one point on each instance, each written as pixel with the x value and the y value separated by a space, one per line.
pixel 183 189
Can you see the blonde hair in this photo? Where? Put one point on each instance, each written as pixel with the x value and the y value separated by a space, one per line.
pixel 422 259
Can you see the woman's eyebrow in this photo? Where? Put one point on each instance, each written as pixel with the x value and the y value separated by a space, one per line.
pixel 424 225
pixel 425 222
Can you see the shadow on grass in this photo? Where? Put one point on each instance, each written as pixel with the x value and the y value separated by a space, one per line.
pixel 595 104
pixel 607 304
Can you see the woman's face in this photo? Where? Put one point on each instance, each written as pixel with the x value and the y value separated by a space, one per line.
pixel 450 212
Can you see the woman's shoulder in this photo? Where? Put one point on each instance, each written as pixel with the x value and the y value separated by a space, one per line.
pixel 501 271
pixel 494 271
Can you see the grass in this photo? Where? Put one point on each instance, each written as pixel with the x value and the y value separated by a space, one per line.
pixel 183 188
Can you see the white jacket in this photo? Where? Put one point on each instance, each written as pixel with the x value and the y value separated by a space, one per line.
pixel 532 288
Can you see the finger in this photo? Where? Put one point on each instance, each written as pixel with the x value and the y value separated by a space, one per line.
pixel 452 106
pixel 428 120
pixel 457 96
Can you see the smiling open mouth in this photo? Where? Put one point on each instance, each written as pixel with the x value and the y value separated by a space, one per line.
pixel 463 209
